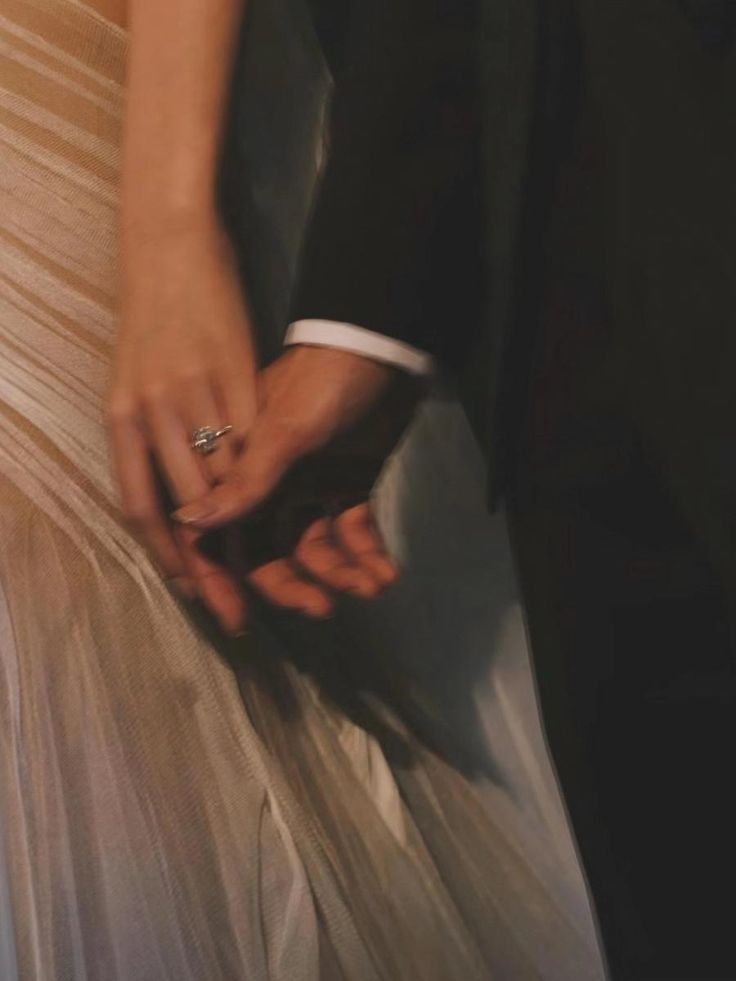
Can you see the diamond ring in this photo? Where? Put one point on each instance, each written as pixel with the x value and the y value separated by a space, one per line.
pixel 204 439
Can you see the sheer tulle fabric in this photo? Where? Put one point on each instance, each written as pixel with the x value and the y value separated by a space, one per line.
pixel 153 824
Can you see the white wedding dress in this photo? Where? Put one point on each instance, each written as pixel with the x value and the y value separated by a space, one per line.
pixel 154 823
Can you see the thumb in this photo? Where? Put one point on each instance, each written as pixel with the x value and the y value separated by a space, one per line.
pixel 266 457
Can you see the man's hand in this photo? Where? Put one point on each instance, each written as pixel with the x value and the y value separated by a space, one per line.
pixel 308 397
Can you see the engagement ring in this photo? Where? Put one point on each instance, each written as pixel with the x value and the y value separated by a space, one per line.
pixel 204 439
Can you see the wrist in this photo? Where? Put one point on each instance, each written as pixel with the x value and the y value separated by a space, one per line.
pixel 171 190
pixel 168 220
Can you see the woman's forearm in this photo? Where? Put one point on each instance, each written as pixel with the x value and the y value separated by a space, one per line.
pixel 179 71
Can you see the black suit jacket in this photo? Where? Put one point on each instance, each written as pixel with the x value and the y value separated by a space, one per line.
pixel 399 198
pixel 659 76
pixel 395 240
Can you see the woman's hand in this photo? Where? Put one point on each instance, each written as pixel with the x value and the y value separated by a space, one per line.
pixel 184 359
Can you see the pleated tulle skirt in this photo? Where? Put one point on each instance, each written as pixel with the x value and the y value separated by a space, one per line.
pixel 177 808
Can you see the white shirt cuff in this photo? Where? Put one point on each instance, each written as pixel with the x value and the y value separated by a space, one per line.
pixel 358 340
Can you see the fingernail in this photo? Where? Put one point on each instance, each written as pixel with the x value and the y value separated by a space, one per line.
pixel 193 513
pixel 238 634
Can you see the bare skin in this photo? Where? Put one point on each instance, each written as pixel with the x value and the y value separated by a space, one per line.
pixel 185 356
pixel 311 396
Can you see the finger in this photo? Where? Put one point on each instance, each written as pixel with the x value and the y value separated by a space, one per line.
pixel 217 586
pixel 141 504
pixel 357 533
pixel 202 410
pixel 181 465
pixel 267 456
pixel 321 556
pixel 282 585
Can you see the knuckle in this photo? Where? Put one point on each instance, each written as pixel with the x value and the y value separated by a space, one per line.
pixel 304 555
pixel 273 592
pixel 189 376
pixel 120 407
pixel 153 388
pixel 139 514
pixel 154 394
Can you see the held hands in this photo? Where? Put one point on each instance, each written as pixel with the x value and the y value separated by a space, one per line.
pixel 340 414
pixel 308 398
pixel 184 360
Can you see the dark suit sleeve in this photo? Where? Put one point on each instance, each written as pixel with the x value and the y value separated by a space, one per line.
pixel 384 230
